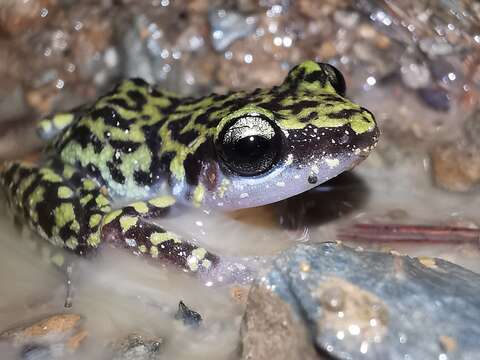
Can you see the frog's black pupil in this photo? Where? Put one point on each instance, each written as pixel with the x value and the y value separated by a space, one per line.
pixel 251 147
pixel 250 155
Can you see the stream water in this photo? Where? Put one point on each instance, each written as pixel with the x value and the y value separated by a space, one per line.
pixel 118 294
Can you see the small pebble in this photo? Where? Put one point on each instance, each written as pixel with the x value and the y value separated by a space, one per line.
pixel 189 317
pixel 436 98
pixel 36 352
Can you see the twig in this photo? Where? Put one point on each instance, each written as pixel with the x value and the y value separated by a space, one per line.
pixel 409 233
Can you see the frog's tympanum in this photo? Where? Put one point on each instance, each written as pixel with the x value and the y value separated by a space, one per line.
pixel 112 166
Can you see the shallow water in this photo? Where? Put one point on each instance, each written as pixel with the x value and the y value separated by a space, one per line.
pixel 118 293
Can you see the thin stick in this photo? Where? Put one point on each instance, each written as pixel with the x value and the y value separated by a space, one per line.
pixel 409 233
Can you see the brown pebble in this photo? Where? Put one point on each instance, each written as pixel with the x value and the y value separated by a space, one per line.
pixel 59 325
pixel 239 294
pixel 456 167
pixel 447 343
pixel 76 340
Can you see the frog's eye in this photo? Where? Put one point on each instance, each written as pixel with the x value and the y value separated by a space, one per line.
pixel 336 79
pixel 250 145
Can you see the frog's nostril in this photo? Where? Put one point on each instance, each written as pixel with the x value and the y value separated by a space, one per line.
pixel 345 138
pixel 312 179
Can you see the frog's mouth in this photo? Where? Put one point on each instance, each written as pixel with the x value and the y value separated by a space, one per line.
pixel 311 157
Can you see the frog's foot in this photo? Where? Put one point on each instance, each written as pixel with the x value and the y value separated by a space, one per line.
pixel 130 228
pixel 74 212
pixel 51 126
pixel 234 270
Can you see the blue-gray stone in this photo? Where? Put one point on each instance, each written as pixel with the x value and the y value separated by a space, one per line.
pixel 190 317
pixel 373 305
pixel 228 26
pixel 136 347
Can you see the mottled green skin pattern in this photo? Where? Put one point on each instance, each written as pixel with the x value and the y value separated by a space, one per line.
pixel 148 149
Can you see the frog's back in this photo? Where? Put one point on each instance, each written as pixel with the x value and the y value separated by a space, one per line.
pixel 138 141
pixel 116 140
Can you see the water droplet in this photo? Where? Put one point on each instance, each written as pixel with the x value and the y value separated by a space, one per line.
pixel 345 138
pixel 354 329
pixel 371 81
pixel 78 25
pixel 333 299
pixel 60 83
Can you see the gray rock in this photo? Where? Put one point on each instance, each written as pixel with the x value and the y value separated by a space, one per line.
pixel 435 46
pixel 12 103
pixel 189 317
pixel 271 330
pixel 362 304
pixel 53 337
pixel 415 74
pixel 228 26
pixel 347 19
pixel 435 97
pixel 36 352
pixel 135 347
pixel 472 128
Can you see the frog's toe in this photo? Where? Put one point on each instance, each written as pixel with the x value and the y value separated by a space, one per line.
pixel 234 270
pixel 51 126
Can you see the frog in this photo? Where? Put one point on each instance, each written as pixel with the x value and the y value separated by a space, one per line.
pixel 111 167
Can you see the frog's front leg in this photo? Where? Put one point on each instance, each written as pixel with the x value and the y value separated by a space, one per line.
pixel 74 212
pixel 129 227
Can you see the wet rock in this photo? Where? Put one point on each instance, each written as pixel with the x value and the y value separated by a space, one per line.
pixel 445 72
pixel 189 317
pixel 313 9
pixel 36 352
pixel 55 53
pixel 54 337
pixel 228 26
pixel 380 62
pixel 17 17
pixel 135 347
pixel 167 48
pixel 414 74
pixel 271 330
pixel 12 103
pixel 347 19
pixel 249 66
pixel 367 305
pixel 435 46
pixel 456 166
pixel 435 97
pixel 472 128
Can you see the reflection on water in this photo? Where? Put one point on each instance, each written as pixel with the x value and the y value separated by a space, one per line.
pixel 334 199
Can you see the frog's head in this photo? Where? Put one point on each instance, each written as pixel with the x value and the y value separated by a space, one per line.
pixel 273 144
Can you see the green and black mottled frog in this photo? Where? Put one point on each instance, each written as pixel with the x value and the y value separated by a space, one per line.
pixel 113 166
